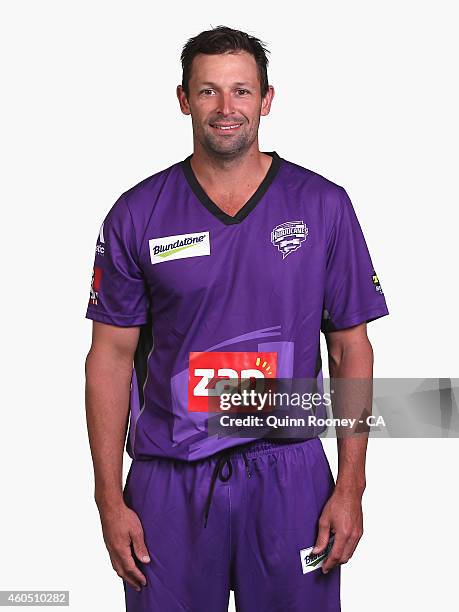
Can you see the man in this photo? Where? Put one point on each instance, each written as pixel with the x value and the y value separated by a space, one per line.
pixel 227 264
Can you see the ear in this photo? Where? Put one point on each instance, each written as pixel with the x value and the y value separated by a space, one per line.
pixel 266 101
pixel 183 101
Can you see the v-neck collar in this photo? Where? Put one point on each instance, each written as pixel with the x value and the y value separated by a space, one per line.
pixel 248 206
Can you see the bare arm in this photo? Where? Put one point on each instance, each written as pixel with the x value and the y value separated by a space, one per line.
pixel 350 357
pixel 108 375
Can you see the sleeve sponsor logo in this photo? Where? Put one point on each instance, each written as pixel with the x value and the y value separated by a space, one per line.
pixel 376 283
pixel 180 246
pixel 288 236
pixel 211 372
pixel 95 286
pixel 100 248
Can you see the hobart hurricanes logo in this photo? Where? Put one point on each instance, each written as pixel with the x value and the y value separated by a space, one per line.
pixel 179 247
pixel 213 373
pixel 288 236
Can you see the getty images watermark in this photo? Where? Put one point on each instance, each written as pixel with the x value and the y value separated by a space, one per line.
pixel 298 408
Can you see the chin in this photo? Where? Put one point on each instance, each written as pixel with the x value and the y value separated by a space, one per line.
pixel 227 149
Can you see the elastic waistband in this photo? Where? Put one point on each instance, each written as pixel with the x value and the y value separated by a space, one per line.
pixel 254 448
pixel 263 447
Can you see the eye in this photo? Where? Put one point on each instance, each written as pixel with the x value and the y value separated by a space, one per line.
pixel 243 91
pixel 206 91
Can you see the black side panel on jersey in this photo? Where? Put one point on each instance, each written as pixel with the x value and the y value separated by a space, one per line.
pixel 318 361
pixel 144 348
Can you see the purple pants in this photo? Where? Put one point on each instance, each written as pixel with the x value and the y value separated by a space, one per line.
pixel 262 502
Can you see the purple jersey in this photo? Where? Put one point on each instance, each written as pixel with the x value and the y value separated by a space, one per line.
pixel 217 295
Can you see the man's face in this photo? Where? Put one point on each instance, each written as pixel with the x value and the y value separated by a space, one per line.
pixel 225 102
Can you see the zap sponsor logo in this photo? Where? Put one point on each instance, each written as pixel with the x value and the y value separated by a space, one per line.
pixel 214 373
pixel 179 247
pixel 95 286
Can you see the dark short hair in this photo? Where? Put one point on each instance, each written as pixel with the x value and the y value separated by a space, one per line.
pixel 224 40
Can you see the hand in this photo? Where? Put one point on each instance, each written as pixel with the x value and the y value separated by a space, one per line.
pixel 122 527
pixel 342 515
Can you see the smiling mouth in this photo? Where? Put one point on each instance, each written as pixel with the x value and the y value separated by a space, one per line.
pixel 226 127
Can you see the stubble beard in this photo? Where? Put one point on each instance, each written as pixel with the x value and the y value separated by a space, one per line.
pixel 231 148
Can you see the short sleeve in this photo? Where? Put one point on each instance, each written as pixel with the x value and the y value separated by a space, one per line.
pixel 118 294
pixel 353 293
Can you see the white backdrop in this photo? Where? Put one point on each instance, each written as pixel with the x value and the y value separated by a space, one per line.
pixel 367 95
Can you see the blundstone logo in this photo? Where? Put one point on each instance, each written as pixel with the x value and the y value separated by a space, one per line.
pixel 311 562
pixel 288 236
pixel 179 247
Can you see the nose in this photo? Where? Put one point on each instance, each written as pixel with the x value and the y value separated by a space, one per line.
pixel 226 103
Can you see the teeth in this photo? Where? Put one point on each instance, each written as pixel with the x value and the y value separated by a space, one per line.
pixel 226 127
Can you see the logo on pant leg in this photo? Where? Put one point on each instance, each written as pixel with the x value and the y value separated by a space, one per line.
pixel 311 562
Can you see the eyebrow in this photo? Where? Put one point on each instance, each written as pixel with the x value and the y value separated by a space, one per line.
pixel 238 83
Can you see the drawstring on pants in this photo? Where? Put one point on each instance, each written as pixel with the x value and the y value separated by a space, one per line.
pixel 223 459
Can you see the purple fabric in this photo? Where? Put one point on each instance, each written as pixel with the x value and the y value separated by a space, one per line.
pixel 256 529
pixel 251 290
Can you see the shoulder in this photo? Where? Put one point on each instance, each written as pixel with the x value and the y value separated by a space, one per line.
pixel 315 183
pixel 316 189
pixel 134 207
pixel 146 191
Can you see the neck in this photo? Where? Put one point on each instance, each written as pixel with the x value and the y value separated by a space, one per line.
pixel 229 173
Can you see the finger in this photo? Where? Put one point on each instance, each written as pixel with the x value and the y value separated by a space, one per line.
pixel 335 553
pixel 136 575
pixel 133 573
pixel 125 561
pixel 138 544
pixel 122 574
pixel 322 537
pixel 133 584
